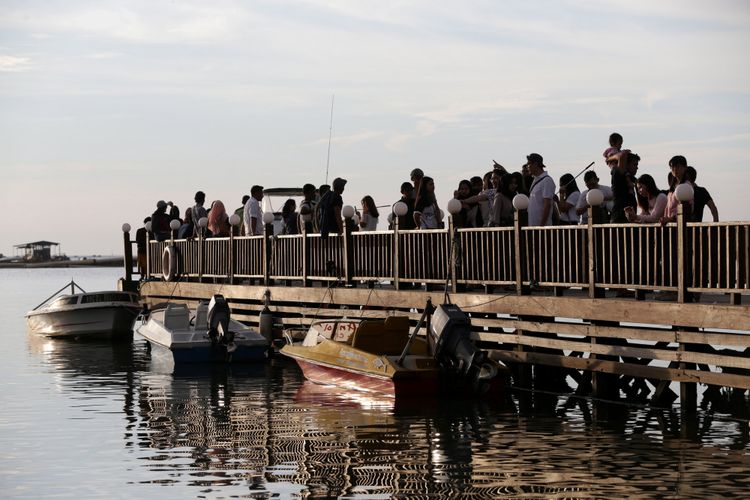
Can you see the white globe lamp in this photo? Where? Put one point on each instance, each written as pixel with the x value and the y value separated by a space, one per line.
pixel 454 206
pixel 234 219
pixel 174 224
pixel 148 226
pixel 400 208
pixel 594 197
pixel 520 202
pixel 347 211
pixel 126 228
pixel 268 217
pixel 684 192
pixel 203 222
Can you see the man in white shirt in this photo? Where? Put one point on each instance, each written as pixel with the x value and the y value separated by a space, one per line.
pixel 592 182
pixel 253 214
pixel 541 192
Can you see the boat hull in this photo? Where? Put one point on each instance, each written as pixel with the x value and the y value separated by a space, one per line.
pixel 414 384
pixel 207 353
pixel 184 346
pixel 104 322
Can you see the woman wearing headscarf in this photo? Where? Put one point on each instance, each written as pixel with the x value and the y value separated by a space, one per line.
pixel 218 221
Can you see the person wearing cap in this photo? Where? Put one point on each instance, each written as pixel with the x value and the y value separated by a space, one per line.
pixel 330 209
pixel 253 214
pixel 541 192
pixel 416 177
pixel 160 221
pixel 198 211
pixel 592 182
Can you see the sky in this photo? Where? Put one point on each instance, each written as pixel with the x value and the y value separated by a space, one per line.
pixel 109 106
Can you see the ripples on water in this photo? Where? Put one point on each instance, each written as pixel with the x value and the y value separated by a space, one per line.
pixel 258 431
pixel 94 420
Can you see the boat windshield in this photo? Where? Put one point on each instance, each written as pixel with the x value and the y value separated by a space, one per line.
pixel 106 297
pixel 338 330
pixel 65 300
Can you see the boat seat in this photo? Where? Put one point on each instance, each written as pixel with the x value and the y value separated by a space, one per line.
pixel 201 316
pixel 177 317
pixel 387 337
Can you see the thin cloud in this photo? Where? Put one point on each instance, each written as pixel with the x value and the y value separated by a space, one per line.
pixel 14 64
pixel 347 140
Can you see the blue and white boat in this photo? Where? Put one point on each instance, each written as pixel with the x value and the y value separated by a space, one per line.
pixel 210 335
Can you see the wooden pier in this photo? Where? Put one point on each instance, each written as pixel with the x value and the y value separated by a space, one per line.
pixel 551 302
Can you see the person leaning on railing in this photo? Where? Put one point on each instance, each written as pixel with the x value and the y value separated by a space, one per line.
pixel 651 201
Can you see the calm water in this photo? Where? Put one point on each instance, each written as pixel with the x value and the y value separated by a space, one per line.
pixel 92 420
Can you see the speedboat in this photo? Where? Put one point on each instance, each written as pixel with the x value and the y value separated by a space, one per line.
pixel 85 314
pixel 210 335
pixel 382 357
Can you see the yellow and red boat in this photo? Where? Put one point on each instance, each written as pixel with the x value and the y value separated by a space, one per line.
pixel 380 356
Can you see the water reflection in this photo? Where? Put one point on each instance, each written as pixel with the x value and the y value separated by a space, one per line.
pixel 261 431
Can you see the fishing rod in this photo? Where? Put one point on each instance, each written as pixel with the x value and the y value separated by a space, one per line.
pixel 330 133
pixel 576 177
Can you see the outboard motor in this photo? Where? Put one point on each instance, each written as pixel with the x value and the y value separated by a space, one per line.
pixel 450 342
pixel 218 322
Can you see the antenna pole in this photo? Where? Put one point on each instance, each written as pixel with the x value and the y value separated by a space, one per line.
pixel 330 133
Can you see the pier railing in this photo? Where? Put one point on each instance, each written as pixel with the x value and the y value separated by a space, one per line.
pixel 679 257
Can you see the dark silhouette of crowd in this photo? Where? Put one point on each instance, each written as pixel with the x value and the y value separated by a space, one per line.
pixel 483 201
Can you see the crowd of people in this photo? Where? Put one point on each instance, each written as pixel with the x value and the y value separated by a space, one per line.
pixel 485 201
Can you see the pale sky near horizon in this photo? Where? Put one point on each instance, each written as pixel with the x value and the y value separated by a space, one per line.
pixel 107 107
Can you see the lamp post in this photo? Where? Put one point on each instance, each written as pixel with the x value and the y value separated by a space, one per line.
pixel 234 221
pixel 148 226
pixel 202 223
pixel 174 225
pixel 684 194
pixel 520 219
pixel 453 207
pixel 128 258
pixel 348 212
pixel 268 233
pixel 399 210
pixel 594 198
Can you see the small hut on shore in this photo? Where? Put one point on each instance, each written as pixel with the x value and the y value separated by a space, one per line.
pixel 39 251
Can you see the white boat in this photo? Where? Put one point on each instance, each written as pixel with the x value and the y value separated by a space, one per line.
pixel 86 314
pixel 210 335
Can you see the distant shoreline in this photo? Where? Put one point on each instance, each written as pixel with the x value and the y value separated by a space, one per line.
pixel 115 261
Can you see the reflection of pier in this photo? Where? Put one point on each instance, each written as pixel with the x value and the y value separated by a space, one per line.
pixel 228 432
pixel 537 296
